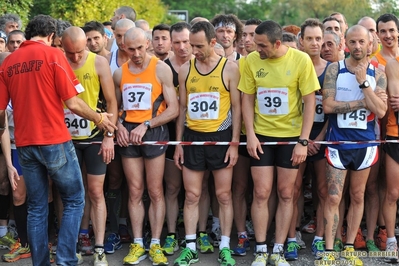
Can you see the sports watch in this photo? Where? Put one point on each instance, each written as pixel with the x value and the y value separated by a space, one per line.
pixel 109 134
pixel 147 124
pixel 364 85
pixel 303 142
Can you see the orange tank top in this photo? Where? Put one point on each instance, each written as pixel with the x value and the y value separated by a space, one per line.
pixel 142 96
pixel 393 122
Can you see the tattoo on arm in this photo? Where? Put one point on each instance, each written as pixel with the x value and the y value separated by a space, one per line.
pixel 382 82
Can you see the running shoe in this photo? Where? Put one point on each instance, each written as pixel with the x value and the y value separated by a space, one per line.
pixel 17 252
pixel 186 258
pixel 112 243
pixel 318 248
pixel 260 259
pixel 242 247
pixel 203 243
pixel 291 252
pixel 360 243
pixel 171 245
pixel 225 258
pixel 392 249
pixel 85 246
pixel 157 256
pixel 7 241
pixel 136 254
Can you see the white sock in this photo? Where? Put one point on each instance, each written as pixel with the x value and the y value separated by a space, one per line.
pixel 191 244
pixel 139 240
pixel 278 248
pixel 224 242
pixel 317 238
pixel 3 230
pixel 389 239
pixel 291 239
pixel 261 248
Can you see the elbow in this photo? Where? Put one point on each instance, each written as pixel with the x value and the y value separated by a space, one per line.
pixel 381 113
pixel 327 109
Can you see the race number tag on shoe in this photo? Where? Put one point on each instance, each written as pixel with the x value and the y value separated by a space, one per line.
pixel 273 101
pixel 137 96
pixel 204 105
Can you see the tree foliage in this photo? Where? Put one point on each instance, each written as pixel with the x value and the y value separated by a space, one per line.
pixel 19 7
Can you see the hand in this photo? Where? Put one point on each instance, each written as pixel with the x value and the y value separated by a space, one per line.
pixel 136 135
pixel 360 72
pixel 253 146
pixel 13 176
pixel 106 124
pixel 122 136
pixel 231 156
pixel 178 157
pixel 107 149
pixel 382 95
pixel 313 148
pixel 299 154
pixel 394 102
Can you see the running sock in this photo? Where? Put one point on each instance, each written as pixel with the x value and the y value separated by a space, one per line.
pixel 224 242
pixel 190 242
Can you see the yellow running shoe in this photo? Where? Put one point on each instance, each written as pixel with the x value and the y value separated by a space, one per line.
pixel 136 254
pixel 157 256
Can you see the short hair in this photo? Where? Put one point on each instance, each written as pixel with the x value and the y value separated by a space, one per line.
pixel 386 18
pixel 107 23
pixel 294 29
pixel 331 19
pixel 160 27
pixel 337 13
pixel 129 12
pixel 94 26
pixel 313 23
pixel 141 22
pixel 228 19
pixel 289 37
pixel 61 26
pixel 179 27
pixel 206 27
pixel 336 37
pixel 41 25
pixel 15 32
pixel 6 18
pixel 271 29
pixel 253 21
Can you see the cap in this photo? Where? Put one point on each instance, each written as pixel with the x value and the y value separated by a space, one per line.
pixel 3 35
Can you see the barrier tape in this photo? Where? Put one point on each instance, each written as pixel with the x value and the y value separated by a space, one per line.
pixel 224 143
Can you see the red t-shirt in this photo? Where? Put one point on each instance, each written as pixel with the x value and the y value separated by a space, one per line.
pixel 37 78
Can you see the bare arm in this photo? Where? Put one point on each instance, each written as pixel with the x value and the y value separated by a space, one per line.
pixel 330 105
pixel 393 83
pixel 122 136
pixel 6 149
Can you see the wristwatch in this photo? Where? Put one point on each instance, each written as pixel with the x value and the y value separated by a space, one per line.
pixel 147 124
pixel 109 134
pixel 364 85
pixel 303 142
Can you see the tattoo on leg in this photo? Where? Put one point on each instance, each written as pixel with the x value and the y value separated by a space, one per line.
pixel 325 222
pixel 332 190
pixel 335 224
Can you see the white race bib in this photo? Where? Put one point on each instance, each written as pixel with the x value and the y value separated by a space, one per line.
pixel 273 101
pixel 137 96
pixel 77 126
pixel 203 105
pixel 356 119
pixel 319 114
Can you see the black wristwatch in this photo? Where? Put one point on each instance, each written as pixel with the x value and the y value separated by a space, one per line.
pixel 147 124
pixel 303 142
pixel 364 85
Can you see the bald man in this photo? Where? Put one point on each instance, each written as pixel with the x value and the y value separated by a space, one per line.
pixel 145 87
pixel 119 56
pixel 353 96
pixel 371 26
pixel 94 73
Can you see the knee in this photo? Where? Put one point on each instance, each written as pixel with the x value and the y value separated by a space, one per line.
pixel 372 189
pixel 261 194
pixel 392 195
pixel 333 200
pixel 171 190
pixel 18 198
pixel 357 197
pixel 192 197
pixel 224 198
pixel 239 190
pixel 286 194
pixel 156 195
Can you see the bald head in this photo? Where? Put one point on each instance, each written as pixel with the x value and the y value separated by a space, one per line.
pixel 357 29
pixel 125 24
pixel 368 23
pixel 134 34
pixel 74 34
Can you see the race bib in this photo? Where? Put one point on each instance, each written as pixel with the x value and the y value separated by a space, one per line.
pixel 319 114
pixel 356 119
pixel 137 96
pixel 203 106
pixel 77 126
pixel 273 101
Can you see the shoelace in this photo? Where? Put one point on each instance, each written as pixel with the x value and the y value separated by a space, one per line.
pixel 292 246
pixel 319 245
